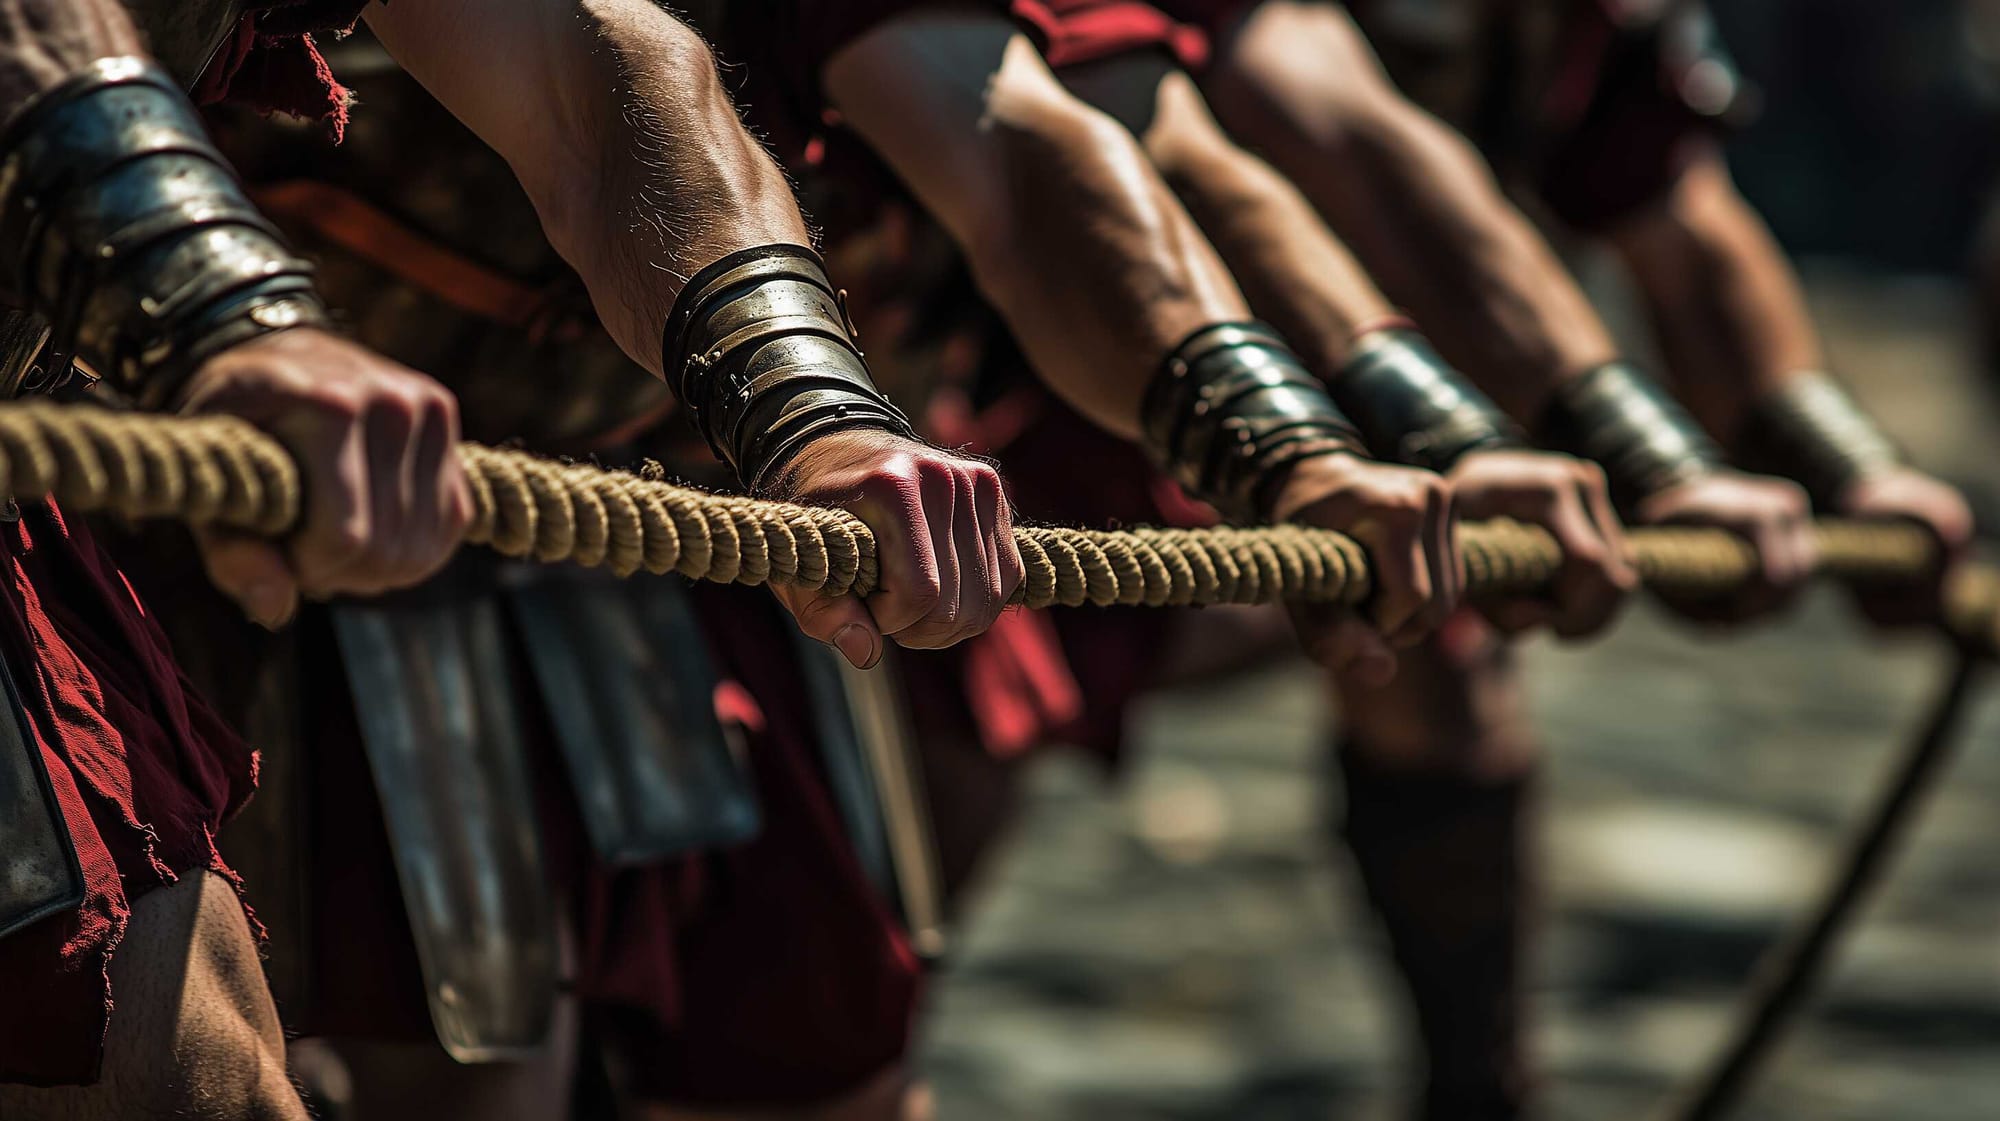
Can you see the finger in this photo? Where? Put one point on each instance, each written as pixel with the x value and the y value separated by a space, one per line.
pixel 907 547
pixel 1012 570
pixel 842 622
pixel 338 511
pixel 1401 571
pixel 1603 515
pixel 1441 547
pixel 253 572
pixel 1588 591
pixel 1776 575
pixel 437 514
pixel 392 454
pixel 1437 556
pixel 970 543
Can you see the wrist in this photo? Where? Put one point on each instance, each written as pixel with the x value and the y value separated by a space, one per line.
pixel 1232 413
pixel 760 352
pixel 854 446
pixel 1810 430
pixel 1306 483
pixel 1413 407
pixel 1623 421
pixel 124 227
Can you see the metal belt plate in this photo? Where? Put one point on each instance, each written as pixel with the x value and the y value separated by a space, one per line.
pixel 630 689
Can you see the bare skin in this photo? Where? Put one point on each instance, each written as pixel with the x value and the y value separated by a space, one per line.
pixel 1081 247
pixel 612 117
pixel 194 1033
pixel 1733 322
pixel 1297 82
pixel 1301 279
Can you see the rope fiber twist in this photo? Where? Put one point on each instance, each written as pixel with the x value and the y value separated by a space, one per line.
pixel 223 472
pixel 220 471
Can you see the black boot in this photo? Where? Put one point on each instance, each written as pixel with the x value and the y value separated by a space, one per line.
pixel 1444 860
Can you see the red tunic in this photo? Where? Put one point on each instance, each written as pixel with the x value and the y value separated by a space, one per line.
pixel 144 771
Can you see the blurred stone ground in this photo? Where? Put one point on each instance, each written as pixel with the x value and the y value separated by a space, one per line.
pixel 1185 944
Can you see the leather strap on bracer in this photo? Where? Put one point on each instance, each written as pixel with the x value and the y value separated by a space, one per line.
pixel 123 227
pixel 1232 410
pixel 1621 419
pixel 1813 432
pixel 759 351
pixel 1415 409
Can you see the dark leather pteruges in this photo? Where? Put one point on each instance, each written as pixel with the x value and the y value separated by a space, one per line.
pixel 39 873
pixel 625 676
pixel 443 737
pixel 850 777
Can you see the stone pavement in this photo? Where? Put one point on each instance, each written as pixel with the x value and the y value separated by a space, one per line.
pixel 1186 944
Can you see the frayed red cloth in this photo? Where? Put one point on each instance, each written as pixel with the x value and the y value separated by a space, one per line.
pixel 1108 654
pixel 271 63
pixel 1071 32
pixel 144 771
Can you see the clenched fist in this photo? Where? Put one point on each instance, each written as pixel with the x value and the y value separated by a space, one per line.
pixel 1570 499
pixel 1403 518
pixel 944 542
pixel 385 500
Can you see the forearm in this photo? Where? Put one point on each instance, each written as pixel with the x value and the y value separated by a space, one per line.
pixel 1068 231
pixel 1296 273
pixel 611 115
pixel 1731 318
pixel 1102 273
pixel 1423 213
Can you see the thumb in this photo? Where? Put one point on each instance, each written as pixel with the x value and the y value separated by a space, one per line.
pixel 841 622
pixel 253 572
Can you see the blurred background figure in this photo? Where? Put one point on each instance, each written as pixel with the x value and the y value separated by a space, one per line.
pixel 1178 946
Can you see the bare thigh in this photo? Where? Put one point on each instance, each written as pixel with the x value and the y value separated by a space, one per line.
pixel 193 1033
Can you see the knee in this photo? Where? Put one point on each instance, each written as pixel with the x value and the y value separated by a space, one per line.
pixel 1449 711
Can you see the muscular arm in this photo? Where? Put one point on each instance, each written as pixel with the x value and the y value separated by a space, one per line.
pixel 385 500
pixel 1412 199
pixel 1730 316
pixel 640 180
pixel 612 117
pixel 1072 235
pixel 1066 227
pixel 1296 273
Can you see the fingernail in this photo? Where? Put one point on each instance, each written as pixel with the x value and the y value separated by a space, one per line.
pixel 856 643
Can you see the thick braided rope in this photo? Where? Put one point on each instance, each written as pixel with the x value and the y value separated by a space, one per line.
pixel 223 472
